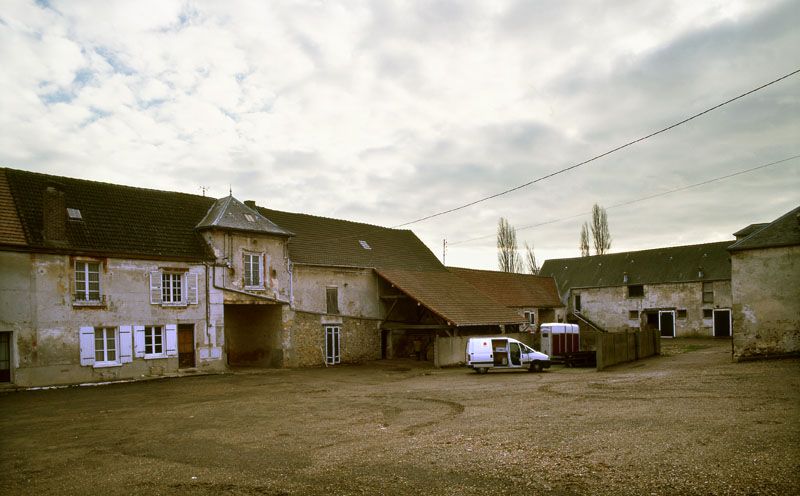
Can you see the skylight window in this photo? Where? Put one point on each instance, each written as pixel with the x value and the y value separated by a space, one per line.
pixel 364 244
pixel 249 217
pixel 74 214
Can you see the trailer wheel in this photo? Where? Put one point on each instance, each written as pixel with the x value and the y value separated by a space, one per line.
pixel 536 367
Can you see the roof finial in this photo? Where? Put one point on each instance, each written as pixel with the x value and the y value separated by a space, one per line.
pixel 230 190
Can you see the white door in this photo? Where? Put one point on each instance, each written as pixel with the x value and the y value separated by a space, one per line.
pixel 332 341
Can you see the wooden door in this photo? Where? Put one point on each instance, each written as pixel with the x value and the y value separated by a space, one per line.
pixel 185 346
pixel 5 357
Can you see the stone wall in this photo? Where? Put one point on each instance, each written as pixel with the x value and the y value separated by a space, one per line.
pixel 614 311
pixel 304 338
pixel 766 297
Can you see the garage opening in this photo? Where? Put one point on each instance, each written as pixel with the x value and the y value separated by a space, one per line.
pixel 253 335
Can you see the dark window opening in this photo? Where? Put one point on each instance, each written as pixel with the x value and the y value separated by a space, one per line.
pixel 708 313
pixel 681 314
pixel 635 291
pixel 633 314
pixel 577 303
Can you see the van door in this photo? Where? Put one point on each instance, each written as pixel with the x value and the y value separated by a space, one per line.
pixel 516 354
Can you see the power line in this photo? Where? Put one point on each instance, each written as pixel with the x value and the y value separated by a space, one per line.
pixel 609 152
pixel 637 200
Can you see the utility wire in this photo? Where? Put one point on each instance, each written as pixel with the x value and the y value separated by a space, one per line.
pixel 609 152
pixel 637 200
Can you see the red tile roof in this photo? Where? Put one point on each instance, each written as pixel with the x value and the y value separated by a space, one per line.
pixel 511 289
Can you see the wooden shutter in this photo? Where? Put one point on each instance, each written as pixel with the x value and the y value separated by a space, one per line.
pixel 125 341
pixel 155 287
pixel 87 345
pixel 172 340
pixel 191 282
pixel 138 341
pixel 332 300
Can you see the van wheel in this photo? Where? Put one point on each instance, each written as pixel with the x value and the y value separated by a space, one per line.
pixel 536 367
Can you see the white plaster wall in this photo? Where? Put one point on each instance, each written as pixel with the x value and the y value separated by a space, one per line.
pixel 37 306
pixel 357 288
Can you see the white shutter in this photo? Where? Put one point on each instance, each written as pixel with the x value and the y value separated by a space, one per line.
pixel 138 341
pixel 87 345
pixel 125 352
pixel 172 340
pixel 155 287
pixel 191 281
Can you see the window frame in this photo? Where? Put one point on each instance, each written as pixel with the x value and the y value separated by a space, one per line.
pixel 188 288
pixel 168 291
pixel 576 302
pixel 104 339
pixel 633 314
pixel 150 332
pixel 247 269
pixel 333 336
pixel 82 277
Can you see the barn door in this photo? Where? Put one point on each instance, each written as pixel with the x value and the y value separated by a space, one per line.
pixel 666 323
pixel 722 323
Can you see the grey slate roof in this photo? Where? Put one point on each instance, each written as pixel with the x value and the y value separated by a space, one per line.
pixel 230 213
pixel 660 265
pixel 116 220
pixel 784 231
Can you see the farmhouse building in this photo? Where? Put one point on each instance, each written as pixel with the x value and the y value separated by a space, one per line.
pixel 682 290
pixel 765 273
pixel 102 282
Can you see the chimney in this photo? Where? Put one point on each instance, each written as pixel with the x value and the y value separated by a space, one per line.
pixel 250 203
pixel 54 213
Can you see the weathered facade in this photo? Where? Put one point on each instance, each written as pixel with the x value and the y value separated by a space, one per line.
pixel 765 267
pixel 103 282
pixel 683 290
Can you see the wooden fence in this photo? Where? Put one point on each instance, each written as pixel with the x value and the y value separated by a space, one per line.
pixel 619 347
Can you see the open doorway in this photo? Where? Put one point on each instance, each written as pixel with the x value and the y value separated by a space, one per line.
pixel 666 323
pixel 722 323
pixel 253 335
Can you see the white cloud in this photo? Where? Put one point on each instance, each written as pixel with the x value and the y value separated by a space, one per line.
pixel 389 111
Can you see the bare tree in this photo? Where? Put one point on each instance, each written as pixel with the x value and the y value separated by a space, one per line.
pixel 585 240
pixel 508 258
pixel 530 260
pixel 600 233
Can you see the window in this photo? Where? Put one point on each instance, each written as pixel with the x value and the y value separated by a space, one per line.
pixel 633 314
pixel 635 291
pixel 153 341
pixel 577 303
pixel 708 313
pixel 173 288
pixel 530 317
pixel 332 300
pixel 253 270
pixel 681 314
pixel 708 292
pixel 332 342
pixel 87 282
pixel 105 345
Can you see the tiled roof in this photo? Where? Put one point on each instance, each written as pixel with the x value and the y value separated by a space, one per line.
pixel 511 289
pixel 450 297
pixel 115 220
pixel 11 232
pixel 784 231
pixel 230 213
pixel 325 241
pixel 661 265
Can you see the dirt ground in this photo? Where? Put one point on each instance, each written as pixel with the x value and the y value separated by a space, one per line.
pixel 689 422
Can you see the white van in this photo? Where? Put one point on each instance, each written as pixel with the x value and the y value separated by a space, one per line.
pixel 503 353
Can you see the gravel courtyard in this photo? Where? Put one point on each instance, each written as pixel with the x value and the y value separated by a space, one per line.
pixel 689 422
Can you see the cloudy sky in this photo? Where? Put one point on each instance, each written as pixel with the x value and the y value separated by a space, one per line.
pixel 388 111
